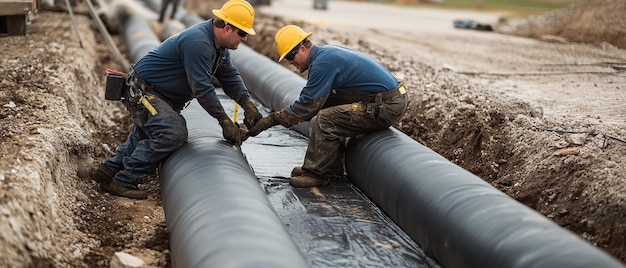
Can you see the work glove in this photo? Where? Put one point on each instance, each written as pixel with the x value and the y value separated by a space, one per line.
pixel 231 132
pixel 251 114
pixel 243 132
pixel 263 124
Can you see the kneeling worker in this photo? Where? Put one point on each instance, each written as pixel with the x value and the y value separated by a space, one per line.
pixel 350 93
pixel 165 80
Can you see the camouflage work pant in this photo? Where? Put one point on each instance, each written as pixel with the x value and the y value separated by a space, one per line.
pixel 333 125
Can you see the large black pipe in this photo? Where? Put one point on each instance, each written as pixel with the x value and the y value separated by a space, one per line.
pixel 216 212
pixel 458 218
pixel 138 36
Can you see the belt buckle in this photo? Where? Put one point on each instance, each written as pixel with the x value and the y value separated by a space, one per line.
pixel 402 89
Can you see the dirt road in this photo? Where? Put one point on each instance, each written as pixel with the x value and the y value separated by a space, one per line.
pixel 541 121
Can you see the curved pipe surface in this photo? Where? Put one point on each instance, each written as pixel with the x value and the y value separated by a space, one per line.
pixel 456 216
pixel 216 212
pixel 139 37
pixel 460 219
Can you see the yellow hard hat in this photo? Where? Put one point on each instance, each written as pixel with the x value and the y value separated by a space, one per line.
pixel 289 37
pixel 239 13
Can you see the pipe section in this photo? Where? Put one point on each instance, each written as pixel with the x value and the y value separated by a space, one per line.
pixel 139 37
pixel 458 218
pixel 216 212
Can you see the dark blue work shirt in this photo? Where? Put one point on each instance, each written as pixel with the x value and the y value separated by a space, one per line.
pixel 342 69
pixel 182 67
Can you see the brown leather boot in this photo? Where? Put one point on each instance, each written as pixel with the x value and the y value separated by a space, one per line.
pixel 123 190
pixel 102 176
pixel 307 180
pixel 297 171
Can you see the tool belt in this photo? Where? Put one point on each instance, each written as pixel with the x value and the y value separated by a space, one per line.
pixel 339 97
pixel 134 81
pixel 137 91
pixel 119 83
pixel 401 90
pixel 130 89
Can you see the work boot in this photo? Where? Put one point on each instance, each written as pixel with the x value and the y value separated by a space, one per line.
pixel 297 171
pixel 101 176
pixel 123 190
pixel 307 180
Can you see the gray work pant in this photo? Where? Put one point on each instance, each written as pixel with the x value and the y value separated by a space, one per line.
pixel 151 140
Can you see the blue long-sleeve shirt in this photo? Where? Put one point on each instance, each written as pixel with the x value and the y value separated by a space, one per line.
pixel 342 69
pixel 182 67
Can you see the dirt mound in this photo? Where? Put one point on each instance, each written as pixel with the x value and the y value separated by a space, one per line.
pixel 593 21
pixel 55 126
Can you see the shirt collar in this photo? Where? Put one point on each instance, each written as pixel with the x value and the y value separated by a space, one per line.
pixel 212 33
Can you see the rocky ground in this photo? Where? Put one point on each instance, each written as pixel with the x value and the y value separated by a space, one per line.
pixel 568 164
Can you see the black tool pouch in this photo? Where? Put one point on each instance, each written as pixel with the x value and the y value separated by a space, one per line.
pixel 382 116
pixel 138 113
pixel 115 85
pixel 132 101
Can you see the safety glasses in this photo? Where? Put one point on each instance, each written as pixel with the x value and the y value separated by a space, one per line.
pixel 239 31
pixel 292 54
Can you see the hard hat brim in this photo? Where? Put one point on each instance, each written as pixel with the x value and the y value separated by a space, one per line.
pixel 285 54
pixel 218 13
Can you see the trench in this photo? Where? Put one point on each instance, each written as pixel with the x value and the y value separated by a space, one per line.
pixel 402 206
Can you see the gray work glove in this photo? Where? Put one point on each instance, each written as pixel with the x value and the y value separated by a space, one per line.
pixel 263 124
pixel 231 132
pixel 251 114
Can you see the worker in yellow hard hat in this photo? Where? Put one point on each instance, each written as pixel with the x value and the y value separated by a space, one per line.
pixel 168 77
pixel 349 92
